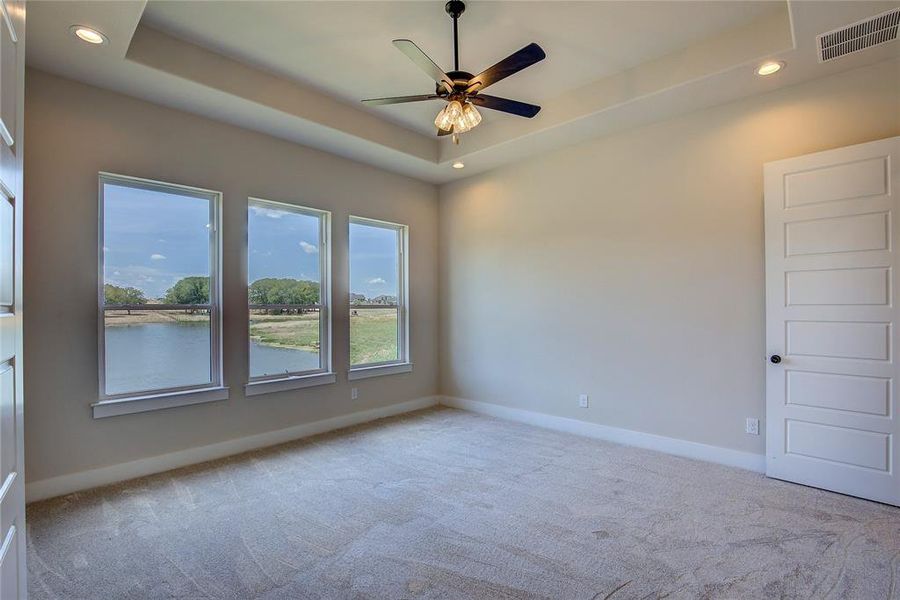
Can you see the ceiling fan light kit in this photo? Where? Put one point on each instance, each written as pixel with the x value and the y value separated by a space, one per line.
pixel 457 118
pixel 462 90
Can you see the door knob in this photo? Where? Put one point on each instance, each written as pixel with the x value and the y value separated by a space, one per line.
pixel 775 359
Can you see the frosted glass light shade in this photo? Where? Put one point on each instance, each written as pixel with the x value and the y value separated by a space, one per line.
pixel 469 118
pixel 449 116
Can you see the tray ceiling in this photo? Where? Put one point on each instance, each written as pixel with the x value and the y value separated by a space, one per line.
pixel 297 70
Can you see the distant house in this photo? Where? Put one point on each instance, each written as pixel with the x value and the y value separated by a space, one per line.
pixel 383 299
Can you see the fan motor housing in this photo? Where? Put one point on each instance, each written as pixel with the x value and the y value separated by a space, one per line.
pixel 460 81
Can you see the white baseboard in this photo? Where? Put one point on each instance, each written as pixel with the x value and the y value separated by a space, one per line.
pixel 650 441
pixel 83 480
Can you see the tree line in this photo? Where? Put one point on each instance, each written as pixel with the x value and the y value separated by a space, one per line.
pixel 270 290
pixel 114 294
pixel 187 290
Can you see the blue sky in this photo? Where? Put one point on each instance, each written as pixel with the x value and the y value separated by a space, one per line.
pixel 373 260
pixel 282 243
pixel 152 239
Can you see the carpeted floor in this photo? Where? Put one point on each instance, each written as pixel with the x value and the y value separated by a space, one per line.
pixel 449 504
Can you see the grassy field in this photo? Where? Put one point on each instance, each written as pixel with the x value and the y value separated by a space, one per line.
pixel 286 331
pixel 373 331
pixel 373 335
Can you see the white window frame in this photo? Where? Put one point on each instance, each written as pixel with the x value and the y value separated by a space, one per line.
pixel 403 363
pixel 298 379
pixel 144 400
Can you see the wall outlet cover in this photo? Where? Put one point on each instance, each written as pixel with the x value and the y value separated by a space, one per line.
pixel 752 426
pixel 583 400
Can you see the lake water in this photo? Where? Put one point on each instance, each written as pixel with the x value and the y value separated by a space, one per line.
pixel 163 355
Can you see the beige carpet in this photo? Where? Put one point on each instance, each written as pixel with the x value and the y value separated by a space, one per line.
pixel 449 504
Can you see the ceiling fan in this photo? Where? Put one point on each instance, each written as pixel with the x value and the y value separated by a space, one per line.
pixel 462 90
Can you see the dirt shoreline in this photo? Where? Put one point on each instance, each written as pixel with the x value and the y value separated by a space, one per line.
pixel 153 316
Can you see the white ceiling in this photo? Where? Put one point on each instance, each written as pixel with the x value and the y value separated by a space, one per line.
pixel 344 48
pixel 297 70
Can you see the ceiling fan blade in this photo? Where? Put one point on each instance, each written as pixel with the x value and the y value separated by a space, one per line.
pixel 515 107
pixel 510 65
pixel 443 132
pixel 422 61
pixel 399 99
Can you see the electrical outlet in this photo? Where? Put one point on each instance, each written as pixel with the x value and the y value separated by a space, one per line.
pixel 583 400
pixel 752 426
pixel 354 393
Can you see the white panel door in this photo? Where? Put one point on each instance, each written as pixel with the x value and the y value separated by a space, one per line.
pixel 12 483
pixel 831 320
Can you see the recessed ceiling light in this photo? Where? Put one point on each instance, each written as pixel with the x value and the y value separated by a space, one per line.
pixel 88 34
pixel 769 67
pixel 458 165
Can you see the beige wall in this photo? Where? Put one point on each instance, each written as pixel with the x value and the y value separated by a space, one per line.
pixel 72 132
pixel 631 267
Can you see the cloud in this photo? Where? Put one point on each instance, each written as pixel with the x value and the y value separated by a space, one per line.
pixel 157 257
pixel 377 281
pixel 308 248
pixel 267 212
pixel 150 279
pixel 153 281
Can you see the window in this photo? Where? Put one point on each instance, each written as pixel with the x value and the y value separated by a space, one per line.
pixel 378 295
pixel 159 289
pixel 288 265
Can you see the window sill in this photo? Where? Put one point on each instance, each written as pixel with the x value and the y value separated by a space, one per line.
pixel 137 404
pixel 296 382
pixel 378 371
